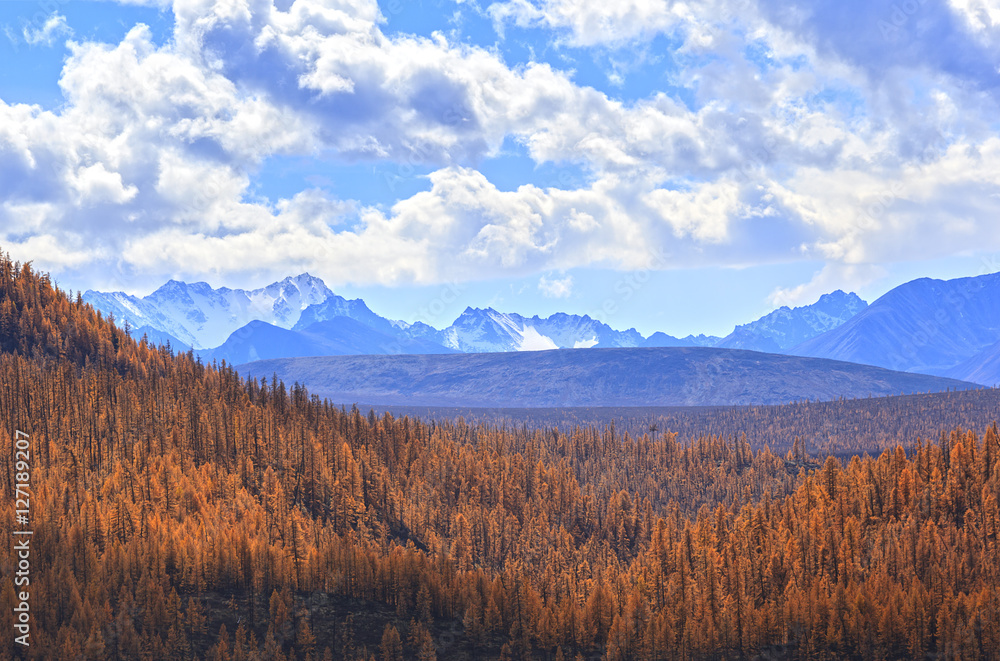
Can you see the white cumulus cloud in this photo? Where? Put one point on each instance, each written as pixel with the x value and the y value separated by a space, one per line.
pixel 796 150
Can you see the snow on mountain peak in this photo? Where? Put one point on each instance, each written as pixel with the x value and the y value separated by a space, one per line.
pixel 203 317
pixel 532 340
pixel 482 330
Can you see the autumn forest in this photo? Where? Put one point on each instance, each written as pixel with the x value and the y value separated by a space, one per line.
pixel 180 511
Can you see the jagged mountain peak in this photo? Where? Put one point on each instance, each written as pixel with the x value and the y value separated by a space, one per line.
pixel 475 312
pixel 197 315
pixel 201 316
pixel 479 330
pixel 840 297
pixel 786 327
pixel 171 287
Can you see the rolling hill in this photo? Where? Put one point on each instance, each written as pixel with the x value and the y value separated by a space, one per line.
pixel 675 376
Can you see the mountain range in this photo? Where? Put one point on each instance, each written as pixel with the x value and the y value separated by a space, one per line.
pixel 948 328
pixel 786 327
pixel 943 327
pixel 197 316
pixel 292 318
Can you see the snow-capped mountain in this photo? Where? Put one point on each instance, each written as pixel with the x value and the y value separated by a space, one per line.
pixel 487 331
pixel 574 331
pixel 788 327
pixel 202 317
pixel 248 323
pixel 337 306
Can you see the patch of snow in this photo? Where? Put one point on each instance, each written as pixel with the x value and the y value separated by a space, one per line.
pixel 532 340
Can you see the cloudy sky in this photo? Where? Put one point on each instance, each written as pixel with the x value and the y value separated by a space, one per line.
pixel 686 165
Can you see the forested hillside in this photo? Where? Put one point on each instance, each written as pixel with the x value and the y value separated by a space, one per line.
pixel 181 512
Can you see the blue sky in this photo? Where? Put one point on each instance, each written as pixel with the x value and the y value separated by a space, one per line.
pixel 690 165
